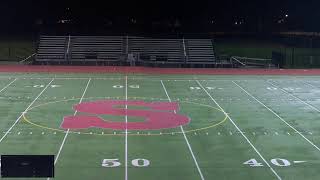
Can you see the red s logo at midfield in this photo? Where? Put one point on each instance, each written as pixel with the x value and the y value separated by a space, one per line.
pixel 158 115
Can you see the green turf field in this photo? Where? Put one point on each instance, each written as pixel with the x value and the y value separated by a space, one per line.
pixel 242 127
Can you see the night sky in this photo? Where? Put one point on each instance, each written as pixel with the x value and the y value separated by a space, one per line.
pixel 164 15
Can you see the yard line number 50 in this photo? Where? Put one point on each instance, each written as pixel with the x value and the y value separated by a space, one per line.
pixel 109 163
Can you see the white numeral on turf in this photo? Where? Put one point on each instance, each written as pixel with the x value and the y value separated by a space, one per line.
pixel 42 86
pixel 38 86
pixel 253 163
pixel 276 161
pixel 272 88
pixel 280 162
pixel 110 163
pixel 135 86
pixel 115 163
pixel 209 88
pixel 140 162
pixel 195 88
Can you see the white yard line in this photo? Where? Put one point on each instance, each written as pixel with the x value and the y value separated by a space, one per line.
pixel 4 88
pixel 278 116
pixel 126 136
pixel 65 137
pixel 240 131
pixel 25 59
pixel 185 137
pixel 290 94
pixel 7 132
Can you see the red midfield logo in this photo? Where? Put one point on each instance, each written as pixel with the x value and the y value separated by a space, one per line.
pixel 158 115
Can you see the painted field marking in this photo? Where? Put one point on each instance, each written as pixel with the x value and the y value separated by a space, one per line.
pixel 311 85
pixel 239 130
pixel 7 132
pixel 8 85
pixel 297 162
pixel 278 116
pixel 132 78
pixel 88 98
pixel 185 137
pixel 65 137
pixel 290 94
pixel 126 136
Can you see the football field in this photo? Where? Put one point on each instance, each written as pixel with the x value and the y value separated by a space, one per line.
pixel 164 127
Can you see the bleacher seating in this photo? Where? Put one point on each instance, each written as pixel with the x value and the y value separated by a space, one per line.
pixel 52 48
pixel 200 51
pixel 96 48
pixel 117 49
pixel 157 50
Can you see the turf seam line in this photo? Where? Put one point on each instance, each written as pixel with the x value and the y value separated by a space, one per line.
pixel 185 137
pixel 25 111
pixel 236 126
pixel 65 137
pixel 286 92
pixel 309 141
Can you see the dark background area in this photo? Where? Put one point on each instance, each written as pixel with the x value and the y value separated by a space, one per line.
pixel 248 28
pixel 165 16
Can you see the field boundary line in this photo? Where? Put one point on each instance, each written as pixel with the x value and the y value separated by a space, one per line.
pixel 7 132
pixel 4 88
pixel 126 136
pixel 132 78
pixel 290 94
pixel 155 70
pixel 309 141
pixel 185 137
pixel 65 137
pixel 240 131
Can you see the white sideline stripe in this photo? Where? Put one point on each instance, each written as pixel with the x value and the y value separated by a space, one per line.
pixel 132 78
pixel 8 85
pixel 185 137
pixel 255 149
pixel 311 106
pixel 126 136
pixel 279 117
pixel 65 136
pixel 7 132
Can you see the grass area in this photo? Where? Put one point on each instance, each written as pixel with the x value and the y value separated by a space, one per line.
pixel 295 57
pixel 247 49
pixel 15 50
pixel 241 127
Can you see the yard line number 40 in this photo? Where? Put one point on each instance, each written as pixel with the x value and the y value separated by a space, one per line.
pixel 276 161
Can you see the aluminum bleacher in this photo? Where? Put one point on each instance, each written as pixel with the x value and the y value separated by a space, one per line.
pixel 200 51
pixel 52 48
pixel 125 50
pixel 96 48
pixel 157 50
